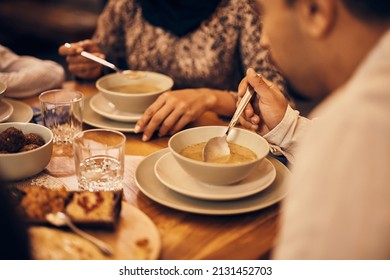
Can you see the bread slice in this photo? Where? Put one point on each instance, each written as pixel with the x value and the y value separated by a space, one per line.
pixel 93 209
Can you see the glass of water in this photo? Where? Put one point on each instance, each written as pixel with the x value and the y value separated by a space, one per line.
pixel 99 159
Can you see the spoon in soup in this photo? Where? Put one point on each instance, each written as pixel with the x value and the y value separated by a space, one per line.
pixel 217 148
pixel 128 73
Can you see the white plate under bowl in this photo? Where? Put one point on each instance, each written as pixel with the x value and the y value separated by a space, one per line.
pixel 22 112
pixel 94 119
pixel 103 107
pixel 173 176
pixel 149 185
pixel 6 110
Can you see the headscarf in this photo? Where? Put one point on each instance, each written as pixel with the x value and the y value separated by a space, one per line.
pixel 179 17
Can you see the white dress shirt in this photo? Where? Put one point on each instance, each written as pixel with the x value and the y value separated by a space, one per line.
pixel 28 76
pixel 338 205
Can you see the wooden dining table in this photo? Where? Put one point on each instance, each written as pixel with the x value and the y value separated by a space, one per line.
pixel 188 236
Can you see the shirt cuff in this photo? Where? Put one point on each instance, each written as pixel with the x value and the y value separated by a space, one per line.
pixel 278 134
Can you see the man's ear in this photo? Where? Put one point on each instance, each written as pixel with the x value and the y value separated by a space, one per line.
pixel 317 16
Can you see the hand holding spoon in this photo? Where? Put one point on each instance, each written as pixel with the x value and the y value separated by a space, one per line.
pixel 217 148
pixel 128 73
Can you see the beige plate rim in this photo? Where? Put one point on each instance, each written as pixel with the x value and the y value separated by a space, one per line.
pixel 173 176
pixel 149 184
pixel 94 119
pixel 99 104
pixel 22 112
pixel 6 110
pixel 134 226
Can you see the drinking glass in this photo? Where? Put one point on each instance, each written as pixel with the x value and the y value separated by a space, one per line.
pixel 99 156
pixel 62 113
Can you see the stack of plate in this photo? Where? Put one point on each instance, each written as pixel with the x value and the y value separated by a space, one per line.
pixel 14 111
pixel 100 112
pixel 6 110
pixel 163 180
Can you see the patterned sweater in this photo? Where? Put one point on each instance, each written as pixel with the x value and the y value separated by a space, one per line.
pixel 216 55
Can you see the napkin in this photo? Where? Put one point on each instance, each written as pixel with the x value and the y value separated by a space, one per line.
pixel 131 163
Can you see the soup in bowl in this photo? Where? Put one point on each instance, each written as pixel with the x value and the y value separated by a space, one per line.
pixel 248 149
pixel 133 95
pixel 238 153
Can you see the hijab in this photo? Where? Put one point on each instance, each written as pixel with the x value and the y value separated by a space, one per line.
pixel 179 17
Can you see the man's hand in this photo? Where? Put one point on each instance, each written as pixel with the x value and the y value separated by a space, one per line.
pixel 268 106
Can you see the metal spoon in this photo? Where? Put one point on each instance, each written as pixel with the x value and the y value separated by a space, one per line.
pixel 61 219
pixel 128 73
pixel 217 148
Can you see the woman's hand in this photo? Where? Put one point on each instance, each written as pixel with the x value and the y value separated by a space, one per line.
pixel 173 110
pixel 268 107
pixel 78 65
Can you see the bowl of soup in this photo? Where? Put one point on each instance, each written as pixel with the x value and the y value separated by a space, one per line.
pixel 133 94
pixel 247 149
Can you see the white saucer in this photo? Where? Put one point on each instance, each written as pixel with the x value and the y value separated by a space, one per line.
pixel 173 176
pixel 21 113
pixel 94 119
pixel 103 107
pixel 6 110
pixel 149 184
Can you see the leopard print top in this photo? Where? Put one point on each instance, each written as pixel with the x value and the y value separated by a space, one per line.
pixel 216 55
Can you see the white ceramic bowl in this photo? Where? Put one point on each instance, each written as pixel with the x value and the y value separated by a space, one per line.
pixel 217 173
pixel 133 102
pixel 21 165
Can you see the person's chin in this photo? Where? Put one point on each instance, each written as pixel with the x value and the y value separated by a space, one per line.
pixel 296 94
pixel 293 92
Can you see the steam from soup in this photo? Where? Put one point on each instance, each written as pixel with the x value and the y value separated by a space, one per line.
pixel 238 153
pixel 135 88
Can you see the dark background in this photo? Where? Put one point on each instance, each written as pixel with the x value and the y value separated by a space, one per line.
pixel 39 27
